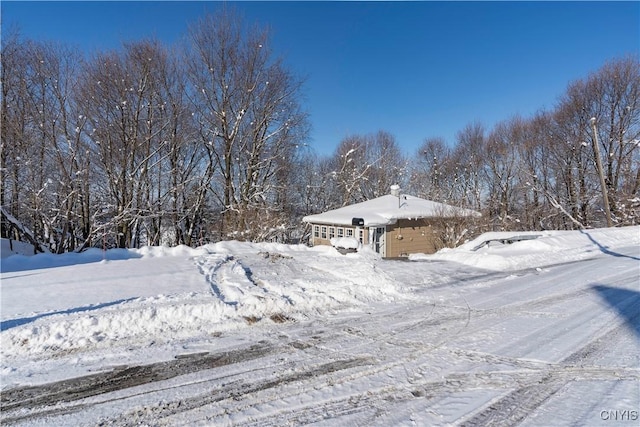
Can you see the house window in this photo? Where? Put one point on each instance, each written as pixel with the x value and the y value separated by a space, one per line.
pixel 324 232
pixel 332 232
pixel 349 232
pixel 316 231
pixel 340 232
pixel 361 236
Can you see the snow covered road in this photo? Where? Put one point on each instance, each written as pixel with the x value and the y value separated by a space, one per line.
pixel 274 335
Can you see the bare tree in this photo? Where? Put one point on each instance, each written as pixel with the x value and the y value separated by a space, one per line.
pixel 611 97
pixel 572 181
pixel 534 173
pixel 246 105
pixel 431 168
pixel 468 158
pixel 315 185
pixel 613 100
pixel 123 99
pixel 57 71
pixel 388 165
pixel 350 169
pixel 41 142
pixel 14 124
pixel 365 167
pixel 501 171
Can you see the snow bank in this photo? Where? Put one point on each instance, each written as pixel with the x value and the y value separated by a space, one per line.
pixel 345 242
pixel 160 318
pixel 98 299
pixel 467 335
pixel 39 261
pixel 550 247
pixel 15 247
pixel 21 262
pixel 163 294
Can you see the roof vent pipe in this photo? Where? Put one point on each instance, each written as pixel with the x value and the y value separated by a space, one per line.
pixel 395 191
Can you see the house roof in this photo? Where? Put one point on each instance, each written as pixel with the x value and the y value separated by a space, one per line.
pixel 387 210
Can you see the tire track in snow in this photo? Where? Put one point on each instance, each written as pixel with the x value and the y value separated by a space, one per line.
pixel 208 265
pixel 236 391
pixel 315 352
pixel 121 378
pixel 511 409
pixel 537 383
pixel 345 355
pixel 367 404
pixel 234 284
pixel 358 344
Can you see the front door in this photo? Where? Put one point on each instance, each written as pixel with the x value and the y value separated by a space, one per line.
pixel 378 242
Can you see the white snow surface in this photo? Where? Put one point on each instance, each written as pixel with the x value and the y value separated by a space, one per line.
pixel 543 331
pixel 345 242
pixel 388 209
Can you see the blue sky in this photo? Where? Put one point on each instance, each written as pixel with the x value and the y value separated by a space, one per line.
pixel 415 69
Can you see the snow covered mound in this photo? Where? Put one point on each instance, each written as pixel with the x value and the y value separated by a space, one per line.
pixel 519 250
pixel 345 243
pixel 101 298
pixel 20 261
pixel 298 331
pixel 14 247
pixel 150 295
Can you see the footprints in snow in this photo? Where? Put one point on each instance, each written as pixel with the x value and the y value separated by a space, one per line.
pixel 234 285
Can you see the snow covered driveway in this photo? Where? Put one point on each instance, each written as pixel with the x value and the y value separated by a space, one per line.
pixel 275 335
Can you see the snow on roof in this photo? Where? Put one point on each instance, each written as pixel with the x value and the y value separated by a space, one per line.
pixel 388 210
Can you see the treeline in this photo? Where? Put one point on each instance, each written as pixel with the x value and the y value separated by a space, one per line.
pixel 149 145
pixel 523 174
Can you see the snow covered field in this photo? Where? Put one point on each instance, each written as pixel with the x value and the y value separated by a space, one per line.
pixel 538 332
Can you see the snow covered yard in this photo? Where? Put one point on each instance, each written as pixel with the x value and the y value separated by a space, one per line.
pixel 537 332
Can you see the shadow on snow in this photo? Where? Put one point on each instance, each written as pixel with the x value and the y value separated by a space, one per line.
pixel 16 263
pixel 605 249
pixel 626 302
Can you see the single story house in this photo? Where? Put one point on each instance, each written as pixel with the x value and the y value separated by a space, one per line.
pixel 394 225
